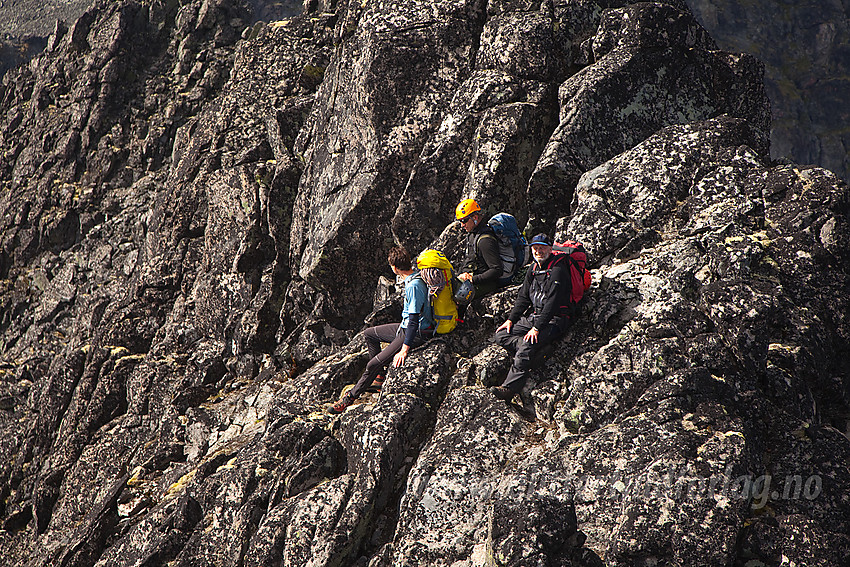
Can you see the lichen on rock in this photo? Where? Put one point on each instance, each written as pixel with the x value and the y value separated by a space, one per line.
pixel 196 206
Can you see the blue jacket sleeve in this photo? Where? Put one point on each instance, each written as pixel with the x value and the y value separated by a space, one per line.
pixel 410 330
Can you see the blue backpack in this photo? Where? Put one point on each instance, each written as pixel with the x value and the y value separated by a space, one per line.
pixel 513 247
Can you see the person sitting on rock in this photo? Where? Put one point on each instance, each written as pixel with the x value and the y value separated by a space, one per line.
pixel 546 289
pixel 417 325
pixel 482 265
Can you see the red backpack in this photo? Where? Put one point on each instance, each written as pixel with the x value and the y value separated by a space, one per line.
pixel 577 257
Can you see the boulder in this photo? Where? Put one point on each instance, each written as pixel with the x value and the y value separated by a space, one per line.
pixel 474 153
pixel 443 514
pixel 647 77
pixel 372 116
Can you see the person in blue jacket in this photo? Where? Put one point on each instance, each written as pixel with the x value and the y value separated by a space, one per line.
pixel 417 326
pixel 546 293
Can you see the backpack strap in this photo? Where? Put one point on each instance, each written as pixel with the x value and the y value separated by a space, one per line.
pixel 573 261
pixel 486 231
pixel 554 259
pixel 550 263
pixel 581 269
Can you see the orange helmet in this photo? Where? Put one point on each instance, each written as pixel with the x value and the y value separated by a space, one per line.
pixel 466 208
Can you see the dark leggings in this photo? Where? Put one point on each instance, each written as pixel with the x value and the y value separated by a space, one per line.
pixel 380 359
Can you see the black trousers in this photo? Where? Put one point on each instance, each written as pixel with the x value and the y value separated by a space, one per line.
pixel 380 359
pixel 524 351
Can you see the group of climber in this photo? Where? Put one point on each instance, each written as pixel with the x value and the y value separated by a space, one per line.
pixel 541 312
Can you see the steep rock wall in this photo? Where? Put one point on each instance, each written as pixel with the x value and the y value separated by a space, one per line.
pixel 807 59
pixel 195 211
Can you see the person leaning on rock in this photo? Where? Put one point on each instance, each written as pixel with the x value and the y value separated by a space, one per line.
pixel 417 326
pixel 546 291
pixel 482 265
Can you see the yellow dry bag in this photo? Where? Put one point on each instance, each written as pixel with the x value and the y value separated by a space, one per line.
pixel 445 310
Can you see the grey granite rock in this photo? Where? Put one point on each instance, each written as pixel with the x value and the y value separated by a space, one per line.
pixel 645 78
pixel 195 212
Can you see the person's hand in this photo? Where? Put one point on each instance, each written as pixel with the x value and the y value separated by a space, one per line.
pixel 507 326
pixel 531 336
pixel 400 356
pixel 465 277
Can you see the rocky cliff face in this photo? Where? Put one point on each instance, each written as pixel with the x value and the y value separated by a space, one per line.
pixel 803 45
pixel 806 53
pixel 25 25
pixel 196 208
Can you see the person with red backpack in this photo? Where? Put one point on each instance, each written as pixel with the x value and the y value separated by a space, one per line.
pixel 547 293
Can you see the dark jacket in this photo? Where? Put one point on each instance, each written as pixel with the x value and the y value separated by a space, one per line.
pixel 482 254
pixel 547 289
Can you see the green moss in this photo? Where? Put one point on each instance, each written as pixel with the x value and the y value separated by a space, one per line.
pixel 255 30
pixel 573 420
pixel 314 72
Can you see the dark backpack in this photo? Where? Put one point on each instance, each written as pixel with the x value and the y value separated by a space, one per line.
pixel 579 274
pixel 513 248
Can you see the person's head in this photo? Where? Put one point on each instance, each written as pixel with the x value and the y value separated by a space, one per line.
pixel 541 248
pixel 399 259
pixel 468 213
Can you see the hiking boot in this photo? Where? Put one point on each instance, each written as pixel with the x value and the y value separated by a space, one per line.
pixel 341 405
pixel 376 385
pixel 504 394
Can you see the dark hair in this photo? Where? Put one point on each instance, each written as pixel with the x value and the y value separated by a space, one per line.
pixel 399 258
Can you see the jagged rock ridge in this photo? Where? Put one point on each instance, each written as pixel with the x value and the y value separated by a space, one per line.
pixel 807 61
pixel 196 208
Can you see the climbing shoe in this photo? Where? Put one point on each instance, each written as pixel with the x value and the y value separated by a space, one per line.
pixel 341 405
pixel 504 394
pixel 376 385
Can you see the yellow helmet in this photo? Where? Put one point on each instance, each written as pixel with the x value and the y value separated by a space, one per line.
pixel 466 208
